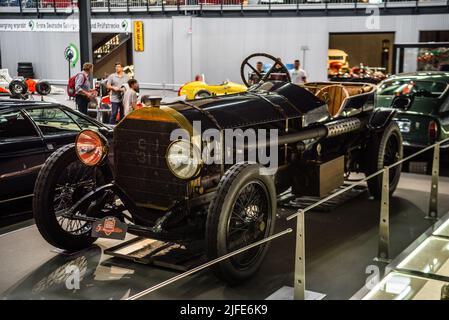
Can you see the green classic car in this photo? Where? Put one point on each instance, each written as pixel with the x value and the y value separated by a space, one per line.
pixel 422 101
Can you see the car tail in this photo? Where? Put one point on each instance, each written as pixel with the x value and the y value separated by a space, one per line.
pixel 418 129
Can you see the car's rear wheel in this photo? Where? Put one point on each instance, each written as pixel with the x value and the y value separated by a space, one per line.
pixel 202 94
pixel 242 212
pixel 63 181
pixel 383 150
pixel 43 88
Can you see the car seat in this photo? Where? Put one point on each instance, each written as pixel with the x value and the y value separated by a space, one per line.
pixel 335 96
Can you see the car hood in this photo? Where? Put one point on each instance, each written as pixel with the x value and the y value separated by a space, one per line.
pixel 250 108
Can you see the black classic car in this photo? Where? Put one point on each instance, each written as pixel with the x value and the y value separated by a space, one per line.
pixel 153 183
pixel 30 131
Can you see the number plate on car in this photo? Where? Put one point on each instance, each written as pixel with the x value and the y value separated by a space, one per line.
pixel 404 125
pixel 110 228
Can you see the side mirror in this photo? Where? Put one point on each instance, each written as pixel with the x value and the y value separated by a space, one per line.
pixel 401 102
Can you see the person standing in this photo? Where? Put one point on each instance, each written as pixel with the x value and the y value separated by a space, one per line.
pixel 84 92
pixel 130 96
pixel 256 75
pixel 115 83
pixel 298 75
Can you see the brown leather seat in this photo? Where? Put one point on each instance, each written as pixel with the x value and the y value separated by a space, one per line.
pixel 334 96
pixel 353 91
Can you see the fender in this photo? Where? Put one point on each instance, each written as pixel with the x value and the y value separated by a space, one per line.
pixel 380 118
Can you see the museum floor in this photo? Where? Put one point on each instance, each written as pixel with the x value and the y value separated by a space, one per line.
pixel 340 246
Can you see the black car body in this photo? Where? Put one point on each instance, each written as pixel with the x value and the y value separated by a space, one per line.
pixel 30 131
pixel 325 131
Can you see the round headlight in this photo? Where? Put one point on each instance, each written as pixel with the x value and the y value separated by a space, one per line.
pixel 183 159
pixel 91 147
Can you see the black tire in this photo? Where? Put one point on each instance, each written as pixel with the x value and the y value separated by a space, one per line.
pixel 221 211
pixel 383 150
pixel 43 88
pixel 25 64
pixel 25 69
pixel 27 75
pixel 57 168
pixel 202 94
pixel 28 68
pixel 18 87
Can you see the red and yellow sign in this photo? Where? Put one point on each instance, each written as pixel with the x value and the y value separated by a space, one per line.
pixel 138 36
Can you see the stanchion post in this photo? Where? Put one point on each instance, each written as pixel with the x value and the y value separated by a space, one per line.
pixel 384 223
pixel 433 202
pixel 300 261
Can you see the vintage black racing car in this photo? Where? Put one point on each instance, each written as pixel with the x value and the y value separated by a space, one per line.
pixel 151 183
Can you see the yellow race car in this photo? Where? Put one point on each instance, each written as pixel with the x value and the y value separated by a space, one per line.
pixel 199 89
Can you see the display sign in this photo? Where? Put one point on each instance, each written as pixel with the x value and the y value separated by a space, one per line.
pixel 109 227
pixel 111 25
pixel 65 25
pixel 138 36
pixel 71 54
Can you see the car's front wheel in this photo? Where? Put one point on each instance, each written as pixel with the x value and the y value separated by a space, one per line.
pixel 242 212
pixel 18 87
pixel 62 181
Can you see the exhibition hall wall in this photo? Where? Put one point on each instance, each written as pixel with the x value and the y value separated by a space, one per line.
pixel 178 48
pixel 44 49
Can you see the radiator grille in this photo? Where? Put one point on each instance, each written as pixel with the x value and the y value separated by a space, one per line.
pixel 140 167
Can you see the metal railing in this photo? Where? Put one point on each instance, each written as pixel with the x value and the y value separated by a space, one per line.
pixel 37 6
pixel 384 221
pixel 299 292
pixel 165 86
pixel 70 6
pixel 208 264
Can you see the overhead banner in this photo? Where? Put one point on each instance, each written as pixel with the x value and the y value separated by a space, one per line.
pixel 138 36
pixel 65 25
pixel 112 25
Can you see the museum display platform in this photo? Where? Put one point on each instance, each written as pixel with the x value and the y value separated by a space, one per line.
pixel 421 272
pixel 340 248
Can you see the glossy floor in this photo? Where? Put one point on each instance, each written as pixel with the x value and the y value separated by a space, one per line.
pixel 340 247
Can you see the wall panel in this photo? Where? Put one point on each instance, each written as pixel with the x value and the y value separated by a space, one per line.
pixel 215 46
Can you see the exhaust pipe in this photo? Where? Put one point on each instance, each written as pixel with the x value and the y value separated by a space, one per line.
pixel 328 130
pixel 340 127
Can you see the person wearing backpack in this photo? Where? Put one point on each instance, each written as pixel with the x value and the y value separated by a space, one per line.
pixel 83 92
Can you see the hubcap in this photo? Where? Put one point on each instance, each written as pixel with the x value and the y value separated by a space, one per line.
pixel 74 182
pixel 248 222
